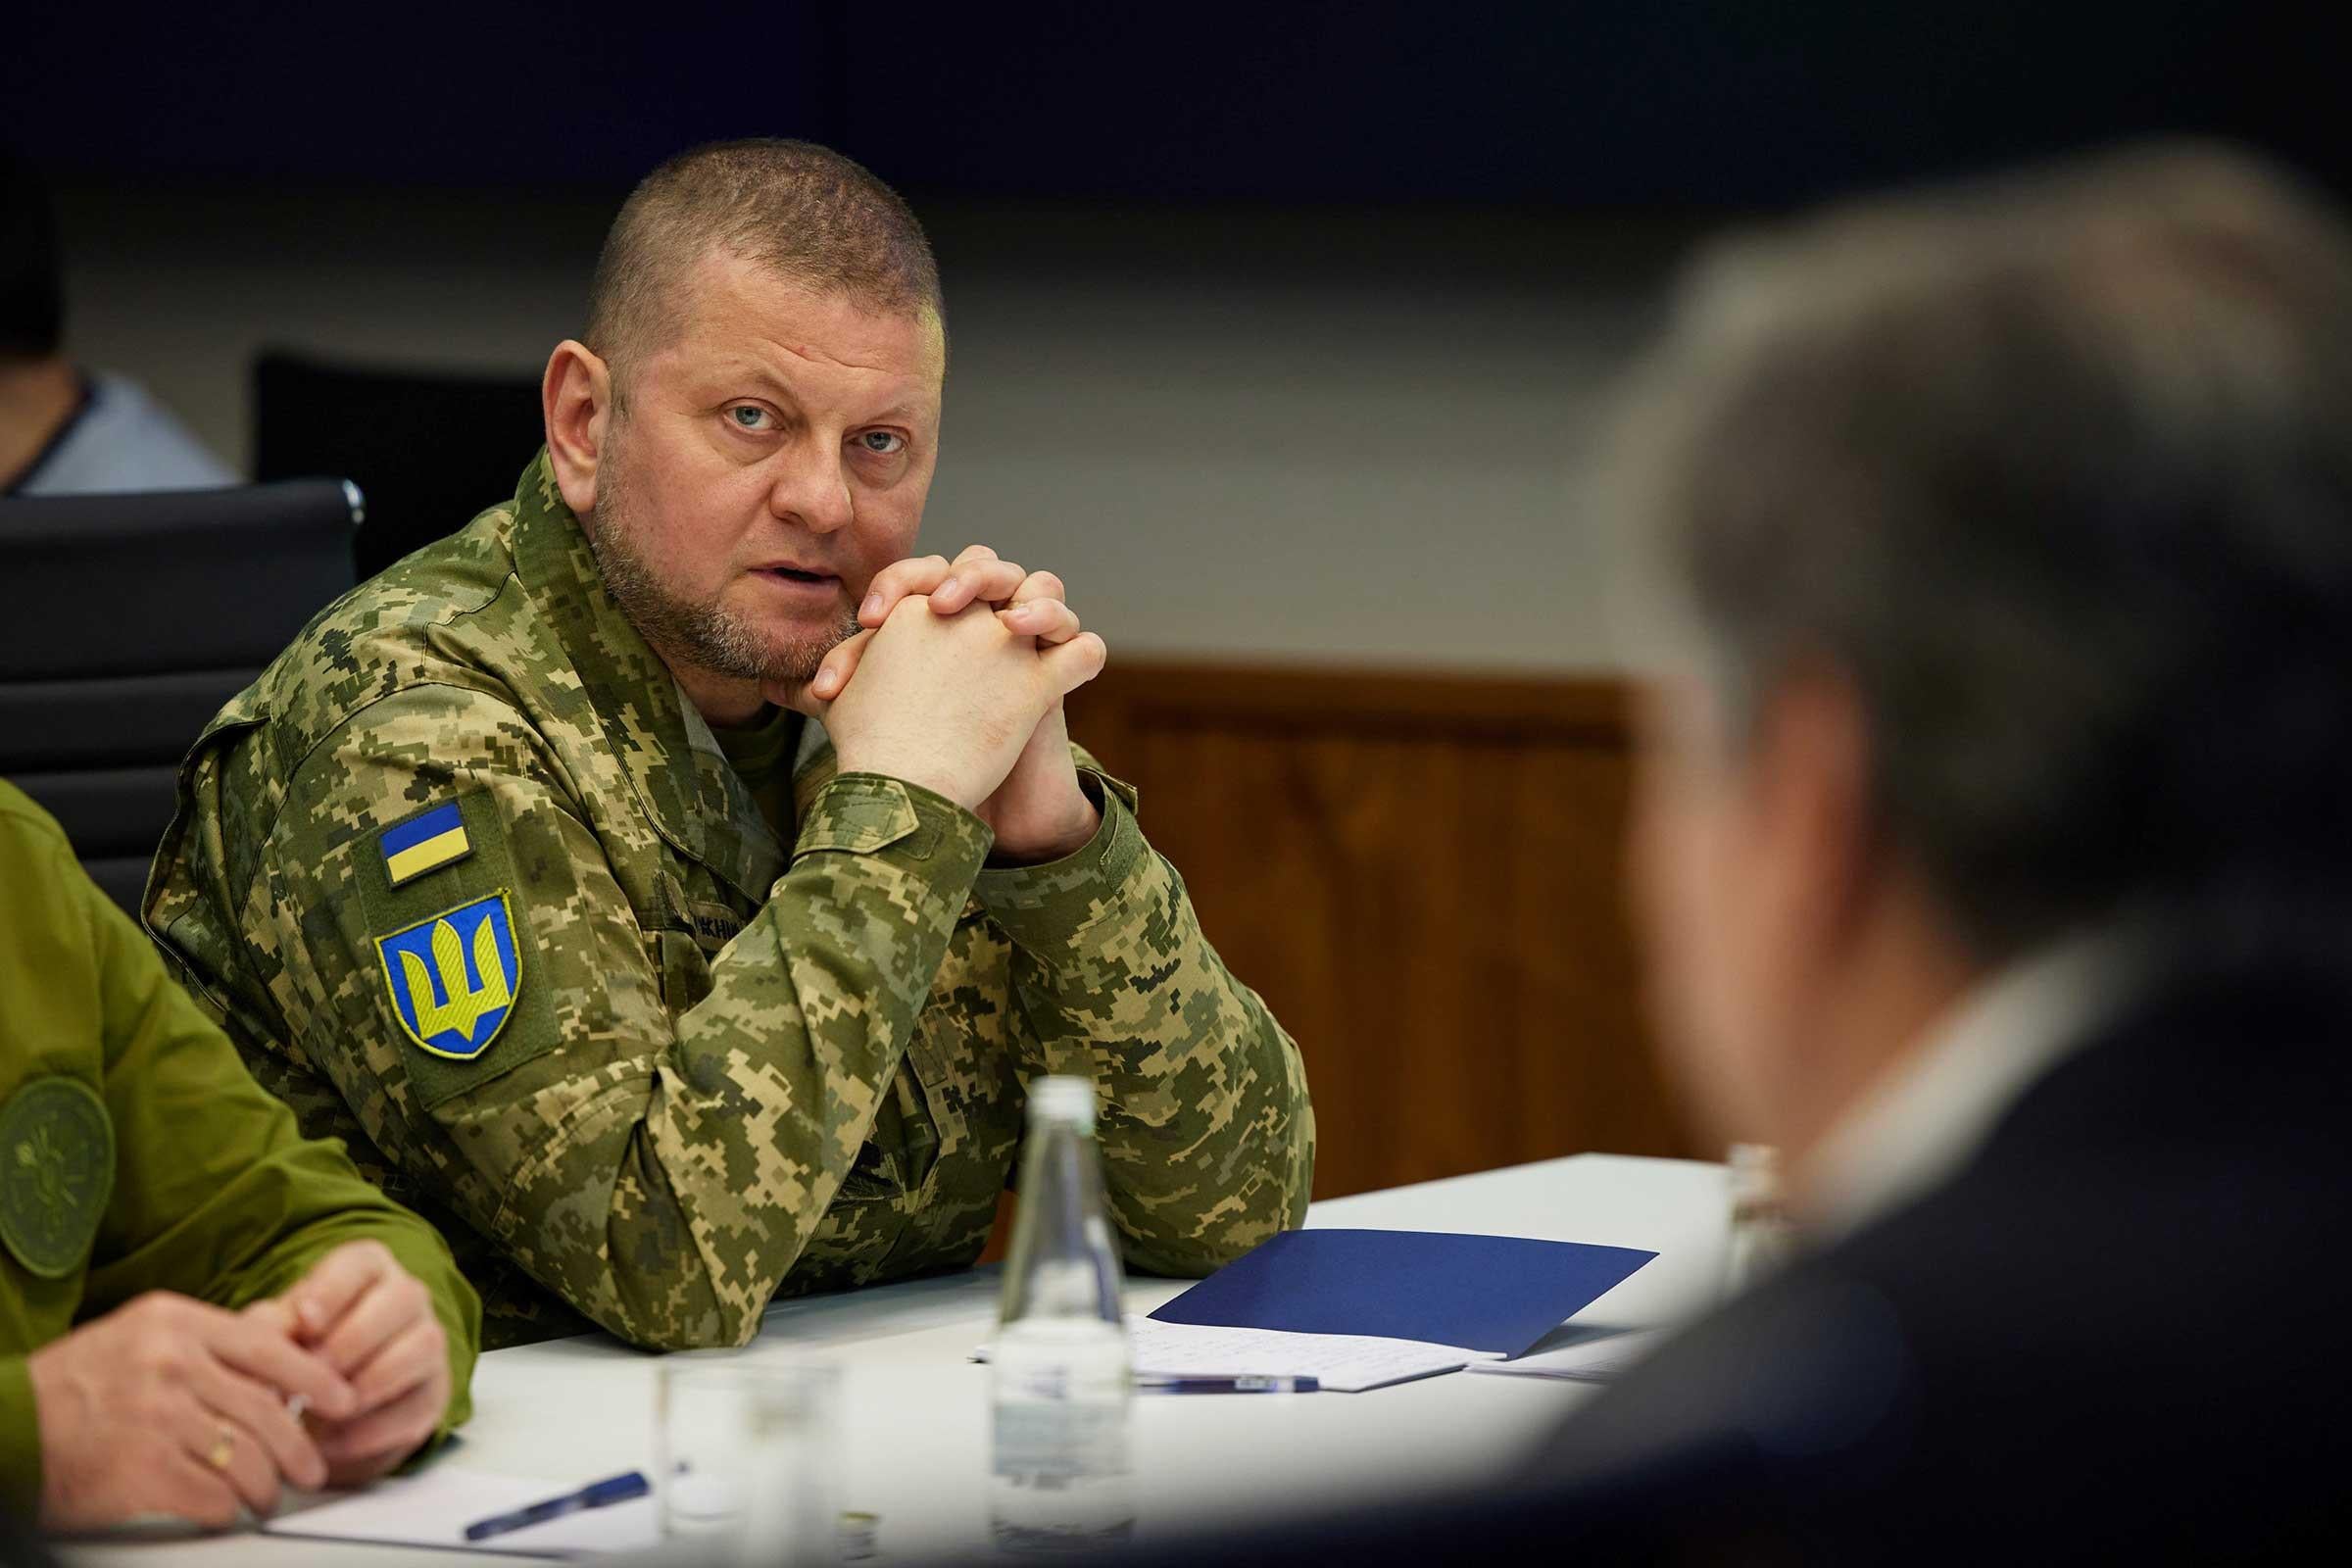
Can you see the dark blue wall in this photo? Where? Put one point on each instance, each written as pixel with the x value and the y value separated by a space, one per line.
pixel 1659 104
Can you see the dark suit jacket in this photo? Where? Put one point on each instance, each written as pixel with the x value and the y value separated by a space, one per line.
pixel 2123 1327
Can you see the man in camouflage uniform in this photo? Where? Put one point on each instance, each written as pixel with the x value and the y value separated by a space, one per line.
pixel 660 998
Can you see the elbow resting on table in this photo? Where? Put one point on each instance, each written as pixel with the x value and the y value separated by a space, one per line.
pixel 1193 1256
pixel 1220 1235
pixel 653 1287
pixel 653 1328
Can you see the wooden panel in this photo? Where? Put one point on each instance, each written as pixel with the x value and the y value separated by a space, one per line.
pixel 1419 873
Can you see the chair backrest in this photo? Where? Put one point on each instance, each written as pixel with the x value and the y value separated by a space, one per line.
pixel 431 449
pixel 127 621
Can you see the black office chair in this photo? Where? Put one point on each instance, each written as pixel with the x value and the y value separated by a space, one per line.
pixel 430 447
pixel 126 620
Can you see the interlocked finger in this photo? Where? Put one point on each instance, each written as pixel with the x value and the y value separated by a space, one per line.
pixel 391 1431
pixel 975 581
pixel 1040 585
pixel 387 1310
pixel 1048 620
pixel 255 1346
pixel 409 1359
pixel 1039 610
pixel 918 575
pixel 1075 662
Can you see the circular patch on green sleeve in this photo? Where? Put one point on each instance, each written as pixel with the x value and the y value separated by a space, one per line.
pixel 57 1170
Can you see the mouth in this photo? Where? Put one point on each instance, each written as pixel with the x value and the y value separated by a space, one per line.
pixel 796 574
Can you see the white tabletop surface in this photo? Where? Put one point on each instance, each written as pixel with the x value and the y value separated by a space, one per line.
pixel 915 1408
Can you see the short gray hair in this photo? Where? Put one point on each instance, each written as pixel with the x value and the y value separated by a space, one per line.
pixel 805 212
pixel 2058 472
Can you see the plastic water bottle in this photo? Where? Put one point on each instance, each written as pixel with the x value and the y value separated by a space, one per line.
pixel 1060 1366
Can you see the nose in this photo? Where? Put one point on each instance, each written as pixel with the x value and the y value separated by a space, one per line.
pixel 812 489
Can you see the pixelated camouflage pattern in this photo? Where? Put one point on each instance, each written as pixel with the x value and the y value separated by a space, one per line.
pixel 732 1069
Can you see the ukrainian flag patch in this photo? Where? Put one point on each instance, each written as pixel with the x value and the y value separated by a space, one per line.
pixel 454 978
pixel 425 841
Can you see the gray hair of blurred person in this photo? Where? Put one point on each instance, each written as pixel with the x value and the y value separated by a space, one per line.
pixel 2057 472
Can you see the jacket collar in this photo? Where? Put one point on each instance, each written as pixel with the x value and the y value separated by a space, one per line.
pixel 1933 1109
pixel 672 762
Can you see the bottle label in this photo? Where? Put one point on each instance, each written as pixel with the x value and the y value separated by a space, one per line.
pixel 1057 1441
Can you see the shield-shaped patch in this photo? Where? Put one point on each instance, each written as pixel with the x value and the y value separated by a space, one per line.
pixel 454 978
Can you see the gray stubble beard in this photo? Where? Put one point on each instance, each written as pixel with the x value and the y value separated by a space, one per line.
pixel 699 633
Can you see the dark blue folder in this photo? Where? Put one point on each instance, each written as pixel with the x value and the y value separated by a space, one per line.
pixel 1475 1293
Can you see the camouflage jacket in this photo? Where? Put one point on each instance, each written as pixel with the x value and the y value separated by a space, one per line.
pixel 474 890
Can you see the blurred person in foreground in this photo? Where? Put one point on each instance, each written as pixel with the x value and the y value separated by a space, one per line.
pixel 197 1306
pixel 668 882
pixel 1994 858
pixel 63 429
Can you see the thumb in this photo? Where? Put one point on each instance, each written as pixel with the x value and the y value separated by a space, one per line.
pixel 827 682
pixel 1071 664
pixel 797 697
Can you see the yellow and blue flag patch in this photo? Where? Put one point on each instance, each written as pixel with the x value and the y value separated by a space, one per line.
pixel 454 978
pixel 425 841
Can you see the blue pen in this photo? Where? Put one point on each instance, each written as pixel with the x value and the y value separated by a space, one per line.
pixel 595 1495
pixel 1239 1385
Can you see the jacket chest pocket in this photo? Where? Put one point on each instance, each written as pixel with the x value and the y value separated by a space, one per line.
pixel 685 970
pixel 930 1067
pixel 962 1049
pixel 692 931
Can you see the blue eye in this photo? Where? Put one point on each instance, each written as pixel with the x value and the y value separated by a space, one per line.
pixel 883 443
pixel 749 417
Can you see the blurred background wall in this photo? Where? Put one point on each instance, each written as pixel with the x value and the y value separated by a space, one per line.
pixel 1282 333
pixel 1340 435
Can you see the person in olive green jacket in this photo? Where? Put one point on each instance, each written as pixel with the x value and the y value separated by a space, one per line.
pixel 197 1305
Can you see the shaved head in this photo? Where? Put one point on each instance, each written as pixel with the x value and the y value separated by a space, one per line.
pixel 803 212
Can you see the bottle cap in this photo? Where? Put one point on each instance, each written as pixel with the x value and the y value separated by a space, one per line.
pixel 1070 1100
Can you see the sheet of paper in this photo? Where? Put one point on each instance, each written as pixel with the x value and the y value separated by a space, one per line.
pixel 1590 1356
pixel 1342 1363
pixel 433 1507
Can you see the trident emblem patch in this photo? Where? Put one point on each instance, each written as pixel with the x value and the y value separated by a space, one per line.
pixel 453 978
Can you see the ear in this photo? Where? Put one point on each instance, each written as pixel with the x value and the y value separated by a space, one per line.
pixel 575 400
pixel 1811 771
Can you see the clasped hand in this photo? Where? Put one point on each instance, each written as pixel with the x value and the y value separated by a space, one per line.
pixel 170 1406
pixel 955 682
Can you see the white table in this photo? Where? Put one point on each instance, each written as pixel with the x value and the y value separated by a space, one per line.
pixel 915 1407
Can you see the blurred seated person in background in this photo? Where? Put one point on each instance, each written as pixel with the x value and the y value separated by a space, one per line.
pixel 1993 858
pixel 176 1262
pixel 64 431
pixel 512 873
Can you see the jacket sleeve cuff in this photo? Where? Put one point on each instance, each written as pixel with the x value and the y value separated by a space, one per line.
pixel 20 1441
pixel 911 828
pixel 1049 907
pixel 920 831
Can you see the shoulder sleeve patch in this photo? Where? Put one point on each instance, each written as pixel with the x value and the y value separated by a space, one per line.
pixel 426 842
pixel 454 968
pixel 455 977
pixel 57 1171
